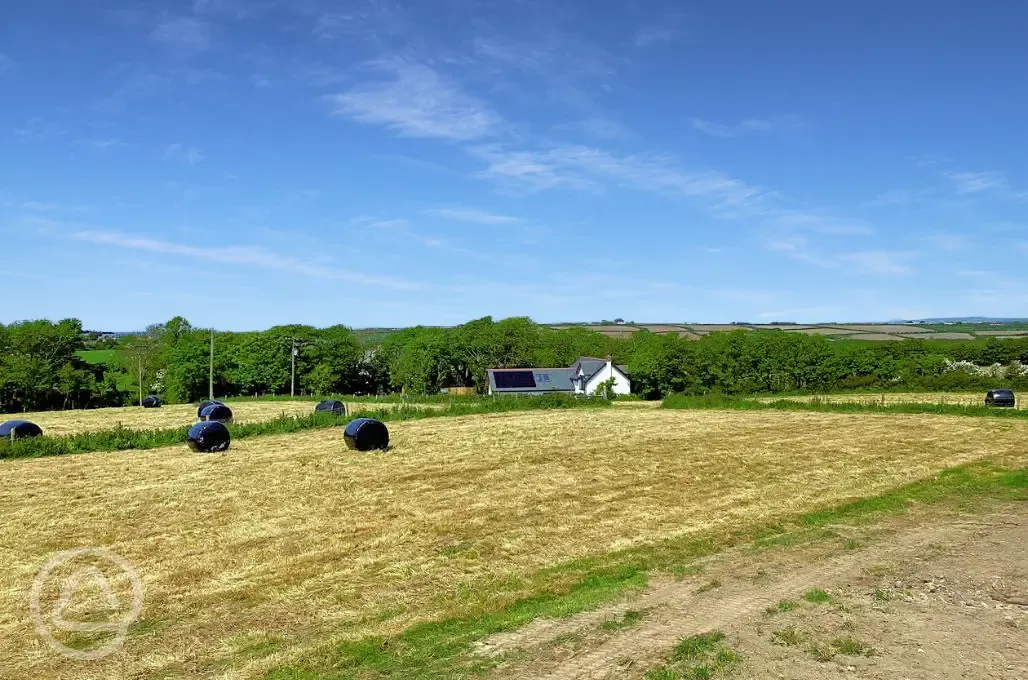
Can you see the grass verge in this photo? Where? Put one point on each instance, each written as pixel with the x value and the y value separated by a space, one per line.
pixel 444 649
pixel 120 438
pixel 680 401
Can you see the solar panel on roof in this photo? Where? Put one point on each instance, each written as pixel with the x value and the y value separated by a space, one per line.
pixel 514 379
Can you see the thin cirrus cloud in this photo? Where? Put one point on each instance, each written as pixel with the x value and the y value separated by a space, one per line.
pixel 583 167
pixel 876 262
pixel 652 36
pixel 975 182
pixel 472 215
pixel 184 153
pixel 414 100
pixel 183 33
pixel 743 127
pixel 995 184
pixel 241 255
pixel 885 262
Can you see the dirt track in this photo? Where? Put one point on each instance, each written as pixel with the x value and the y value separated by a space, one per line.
pixel 945 600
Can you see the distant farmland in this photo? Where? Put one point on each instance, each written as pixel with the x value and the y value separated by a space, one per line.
pixel 884 332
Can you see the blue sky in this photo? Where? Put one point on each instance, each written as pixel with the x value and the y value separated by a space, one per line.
pixel 246 163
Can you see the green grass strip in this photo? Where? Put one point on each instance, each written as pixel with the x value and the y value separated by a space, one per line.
pixel 443 649
pixel 119 439
pixel 821 405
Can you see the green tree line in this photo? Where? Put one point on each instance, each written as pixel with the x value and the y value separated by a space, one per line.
pixel 41 365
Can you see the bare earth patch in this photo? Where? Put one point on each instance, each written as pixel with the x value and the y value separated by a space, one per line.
pixel 937 597
pixel 288 543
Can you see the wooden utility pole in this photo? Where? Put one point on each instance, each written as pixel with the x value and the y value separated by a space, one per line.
pixel 210 375
pixel 292 369
pixel 140 359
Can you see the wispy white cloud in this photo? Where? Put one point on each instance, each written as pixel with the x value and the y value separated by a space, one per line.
pixel 101 144
pixel 884 262
pixel 318 74
pixel 38 128
pixel 379 223
pixel 366 20
pixel 584 167
pixel 817 222
pixel 900 197
pixel 555 55
pixel 877 262
pixel 531 170
pixel 975 182
pixel 402 229
pixel 472 215
pixel 416 101
pixel 184 153
pixel 949 241
pixel 972 185
pixel 651 36
pixel 139 82
pixel 304 194
pixel 236 9
pixel 931 160
pixel 183 33
pixel 531 56
pixel 746 126
pixel 241 255
pixel 39 206
pixel 798 248
pixel 598 128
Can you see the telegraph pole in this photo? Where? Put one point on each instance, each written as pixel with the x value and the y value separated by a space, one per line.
pixel 140 359
pixel 210 375
pixel 292 369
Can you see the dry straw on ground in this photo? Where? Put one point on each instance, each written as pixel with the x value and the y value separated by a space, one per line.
pixel 962 398
pixel 289 542
pixel 138 418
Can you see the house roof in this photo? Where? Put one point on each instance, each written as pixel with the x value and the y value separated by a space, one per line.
pixel 589 366
pixel 546 380
pixel 592 365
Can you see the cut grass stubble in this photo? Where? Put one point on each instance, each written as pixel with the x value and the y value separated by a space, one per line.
pixel 292 538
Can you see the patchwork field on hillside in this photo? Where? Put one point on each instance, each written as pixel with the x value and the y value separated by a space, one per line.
pixel 286 544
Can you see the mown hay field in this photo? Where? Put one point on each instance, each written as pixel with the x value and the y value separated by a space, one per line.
pixel 962 398
pixel 255 558
pixel 137 418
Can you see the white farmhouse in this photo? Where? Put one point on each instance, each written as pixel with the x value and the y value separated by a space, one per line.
pixel 583 377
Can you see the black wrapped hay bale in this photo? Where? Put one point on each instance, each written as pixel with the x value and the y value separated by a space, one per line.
pixel 332 406
pixel 152 401
pixel 20 429
pixel 216 413
pixel 366 434
pixel 204 404
pixel 208 437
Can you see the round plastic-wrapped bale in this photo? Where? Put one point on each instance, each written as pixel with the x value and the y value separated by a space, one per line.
pixel 216 413
pixel 204 404
pixel 332 406
pixel 20 429
pixel 208 437
pixel 152 401
pixel 366 434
